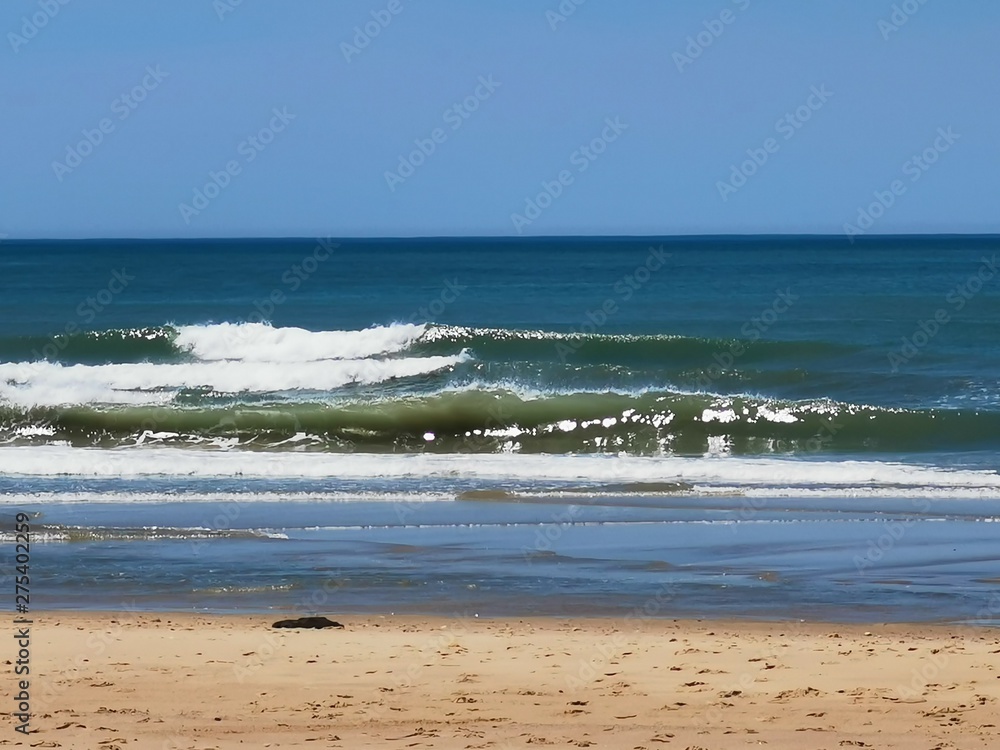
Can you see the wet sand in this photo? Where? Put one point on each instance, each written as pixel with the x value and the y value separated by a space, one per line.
pixel 174 681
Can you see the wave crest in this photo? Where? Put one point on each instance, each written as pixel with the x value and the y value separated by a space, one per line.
pixel 482 421
pixel 258 342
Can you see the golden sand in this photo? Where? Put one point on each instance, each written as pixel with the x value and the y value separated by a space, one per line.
pixel 183 681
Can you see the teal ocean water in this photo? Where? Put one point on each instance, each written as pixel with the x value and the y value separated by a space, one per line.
pixel 768 427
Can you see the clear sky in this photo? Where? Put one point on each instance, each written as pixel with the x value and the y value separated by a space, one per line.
pixel 829 100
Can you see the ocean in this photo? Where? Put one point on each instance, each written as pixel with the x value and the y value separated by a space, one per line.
pixel 765 427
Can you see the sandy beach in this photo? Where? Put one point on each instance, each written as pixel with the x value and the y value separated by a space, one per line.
pixel 176 681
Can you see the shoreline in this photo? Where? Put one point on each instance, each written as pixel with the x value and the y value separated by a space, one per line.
pixel 182 680
pixel 259 616
pixel 834 561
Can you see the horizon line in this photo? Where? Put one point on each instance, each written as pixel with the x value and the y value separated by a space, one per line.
pixel 520 239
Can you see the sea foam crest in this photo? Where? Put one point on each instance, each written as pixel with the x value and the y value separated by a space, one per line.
pixel 782 477
pixel 230 358
pixel 259 342
pixel 49 384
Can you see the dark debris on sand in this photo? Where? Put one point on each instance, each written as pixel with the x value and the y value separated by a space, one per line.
pixel 307 622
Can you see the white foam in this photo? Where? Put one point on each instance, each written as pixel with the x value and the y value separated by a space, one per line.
pixel 225 499
pixel 258 342
pixel 50 384
pixel 787 476
pixel 33 431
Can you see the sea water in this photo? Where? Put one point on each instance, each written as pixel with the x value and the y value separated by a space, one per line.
pixel 766 427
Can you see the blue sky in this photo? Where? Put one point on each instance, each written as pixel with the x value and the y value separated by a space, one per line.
pixel 212 74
